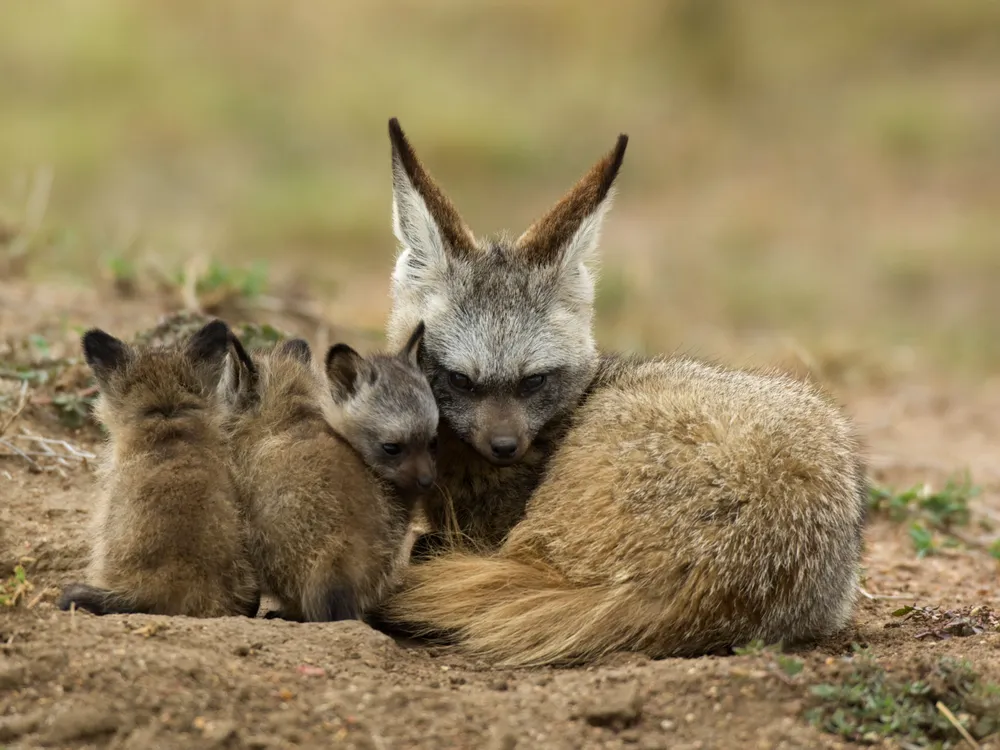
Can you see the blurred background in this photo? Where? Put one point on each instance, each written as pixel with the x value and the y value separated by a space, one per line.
pixel 818 180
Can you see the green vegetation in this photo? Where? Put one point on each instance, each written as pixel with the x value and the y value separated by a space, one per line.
pixel 789 665
pixel 933 516
pixel 15 588
pixel 824 170
pixel 870 704
pixel 65 383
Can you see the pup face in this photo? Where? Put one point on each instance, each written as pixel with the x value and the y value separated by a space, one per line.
pixel 390 416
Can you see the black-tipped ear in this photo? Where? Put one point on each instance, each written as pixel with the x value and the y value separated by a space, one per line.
pixel 296 349
pixel 103 352
pixel 424 220
pixel 343 365
pixel 411 350
pixel 210 343
pixel 568 232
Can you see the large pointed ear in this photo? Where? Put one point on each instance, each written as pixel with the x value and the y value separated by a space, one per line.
pixel 569 232
pixel 104 353
pixel 424 221
pixel 296 349
pixel 411 350
pixel 344 367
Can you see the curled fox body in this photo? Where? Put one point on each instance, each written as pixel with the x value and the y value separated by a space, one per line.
pixel 167 534
pixel 329 516
pixel 660 504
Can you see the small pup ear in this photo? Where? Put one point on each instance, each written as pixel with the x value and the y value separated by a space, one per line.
pixel 343 367
pixel 296 349
pixel 209 344
pixel 411 350
pixel 207 349
pixel 241 376
pixel 104 353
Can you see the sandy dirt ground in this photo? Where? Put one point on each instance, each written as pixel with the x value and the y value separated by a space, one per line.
pixel 79 681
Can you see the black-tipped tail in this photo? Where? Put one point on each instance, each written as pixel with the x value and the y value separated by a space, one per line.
pixel 96 600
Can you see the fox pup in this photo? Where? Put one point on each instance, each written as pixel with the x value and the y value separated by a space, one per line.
pixel 330 470
pixel 663 504
pixel 167 535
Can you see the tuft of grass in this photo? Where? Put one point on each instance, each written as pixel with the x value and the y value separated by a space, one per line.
pixel 124 275
pixel 870 705
pixel 754 648
pixel 15 588
pixel 786 663
pixel 178 326
pixel 73 408
pixel 932 515
pixel 220 280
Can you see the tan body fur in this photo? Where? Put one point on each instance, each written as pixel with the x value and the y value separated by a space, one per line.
pixel 668 524
pixel 688 507
pixel 327 539
pixel 167 535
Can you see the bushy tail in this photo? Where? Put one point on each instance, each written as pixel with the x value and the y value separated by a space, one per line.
pixel 97 601
pixel 518 614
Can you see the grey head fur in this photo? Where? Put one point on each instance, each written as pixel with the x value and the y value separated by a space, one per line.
pixel 510 345
pixel 387 411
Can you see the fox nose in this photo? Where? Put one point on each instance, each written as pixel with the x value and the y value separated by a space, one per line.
pixel 503 446
pixel 425 481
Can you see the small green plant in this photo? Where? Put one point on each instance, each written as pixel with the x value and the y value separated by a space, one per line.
pixel 15 588
pixel 790 665
pixel 256 336
pixel 786 663
pixel 931 514
pixel 754 648
pixel 870 705
pixel 41 345
pixel 923 539
pixel 124 275
pixel 74 409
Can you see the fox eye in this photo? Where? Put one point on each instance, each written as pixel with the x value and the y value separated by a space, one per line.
pixel 391 449
pixel 459 381
pixel 433 445
pixel 532 383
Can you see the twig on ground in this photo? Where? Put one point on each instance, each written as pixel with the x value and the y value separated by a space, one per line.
pixel 68 455
pixel 17 452
pixel 955 723
pixel 23 398
pixel 879 597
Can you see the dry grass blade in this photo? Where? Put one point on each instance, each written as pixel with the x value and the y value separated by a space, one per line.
pixel 22 401
pixel 881 597
pixel 34 212
pixel 955 723
pixel 51 453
